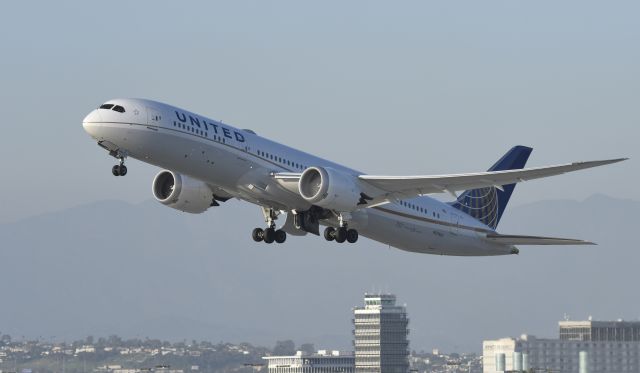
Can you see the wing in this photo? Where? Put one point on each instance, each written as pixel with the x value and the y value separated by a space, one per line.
pixel 400 187
pixel 510 239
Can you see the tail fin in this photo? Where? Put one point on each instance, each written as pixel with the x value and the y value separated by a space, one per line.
pixel 488 204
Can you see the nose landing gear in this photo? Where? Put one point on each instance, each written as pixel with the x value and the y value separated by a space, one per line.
pixel 119 169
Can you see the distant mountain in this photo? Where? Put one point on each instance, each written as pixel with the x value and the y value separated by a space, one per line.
pixel 149 271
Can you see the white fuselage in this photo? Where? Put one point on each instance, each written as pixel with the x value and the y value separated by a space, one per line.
pixel 240 164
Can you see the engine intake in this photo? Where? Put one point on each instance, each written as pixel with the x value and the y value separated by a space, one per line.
pixel 329 188
pixel 182 192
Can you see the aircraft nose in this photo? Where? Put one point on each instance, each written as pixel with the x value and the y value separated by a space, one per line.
pixel 90 121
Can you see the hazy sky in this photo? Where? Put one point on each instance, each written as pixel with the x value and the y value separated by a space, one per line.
pixel 385 87
pixel 388 88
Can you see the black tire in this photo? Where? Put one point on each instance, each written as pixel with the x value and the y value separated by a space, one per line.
pixel 281 236
pixel 341 234
pixel 123 170
pixel 269 235
pixel 257 234
pixel 329 233
pixel 115 170
pixel 352 235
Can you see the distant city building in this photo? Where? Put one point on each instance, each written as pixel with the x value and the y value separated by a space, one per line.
pixel 380 335
pixel 321 362
pixel 583 346
pixel 120 369
pixel 604 331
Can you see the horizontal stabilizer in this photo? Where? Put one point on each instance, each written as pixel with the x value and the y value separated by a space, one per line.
pixel 511 239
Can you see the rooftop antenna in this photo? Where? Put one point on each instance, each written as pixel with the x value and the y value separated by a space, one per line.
pixel 566 317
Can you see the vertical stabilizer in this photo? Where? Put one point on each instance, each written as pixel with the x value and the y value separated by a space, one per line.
pixel 488 204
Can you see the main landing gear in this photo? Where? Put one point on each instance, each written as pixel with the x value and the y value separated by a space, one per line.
pixel 269 234
pixel 119 169
pixel 341 234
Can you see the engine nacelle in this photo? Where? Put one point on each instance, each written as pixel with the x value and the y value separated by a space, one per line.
pixel 329 188
pixel 182 192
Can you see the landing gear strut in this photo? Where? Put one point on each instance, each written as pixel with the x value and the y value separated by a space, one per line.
pixel 119 169
pixel 269 234
pixel 341 234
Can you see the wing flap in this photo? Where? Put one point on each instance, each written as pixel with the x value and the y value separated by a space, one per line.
pixel 511 239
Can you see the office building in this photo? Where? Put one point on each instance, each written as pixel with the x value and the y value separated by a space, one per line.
pixel 380 335
pixel 583 346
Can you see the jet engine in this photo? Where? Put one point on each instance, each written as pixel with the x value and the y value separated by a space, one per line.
pixel 182 192
pixel 329 188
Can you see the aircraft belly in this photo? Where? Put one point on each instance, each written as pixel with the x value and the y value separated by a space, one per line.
pixel 415 236
pixel 258 186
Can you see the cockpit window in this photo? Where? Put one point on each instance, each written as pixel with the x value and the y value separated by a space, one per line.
pixel 118 108
pixel 106 106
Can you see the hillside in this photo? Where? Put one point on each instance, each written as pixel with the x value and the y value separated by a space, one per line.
pixel 149 271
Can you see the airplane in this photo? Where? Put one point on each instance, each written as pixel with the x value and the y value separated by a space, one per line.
pixel 206 162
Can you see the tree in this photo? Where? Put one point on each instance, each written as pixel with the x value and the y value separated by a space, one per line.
pixel 284 348
pixel 308 348
pixel 114 341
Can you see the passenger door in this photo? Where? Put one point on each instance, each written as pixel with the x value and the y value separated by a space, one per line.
pixel 455 222
pixel 154 117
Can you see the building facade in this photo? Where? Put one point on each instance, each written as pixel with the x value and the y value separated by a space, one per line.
pixel 321 362
pixel 602 331
pixel 381 335
pixel 583 346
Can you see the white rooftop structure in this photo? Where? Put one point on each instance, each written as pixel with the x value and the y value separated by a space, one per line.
pixel 324 361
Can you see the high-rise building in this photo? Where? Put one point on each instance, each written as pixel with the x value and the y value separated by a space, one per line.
pixel 583 346
pixel 380 335
pixel 321 362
